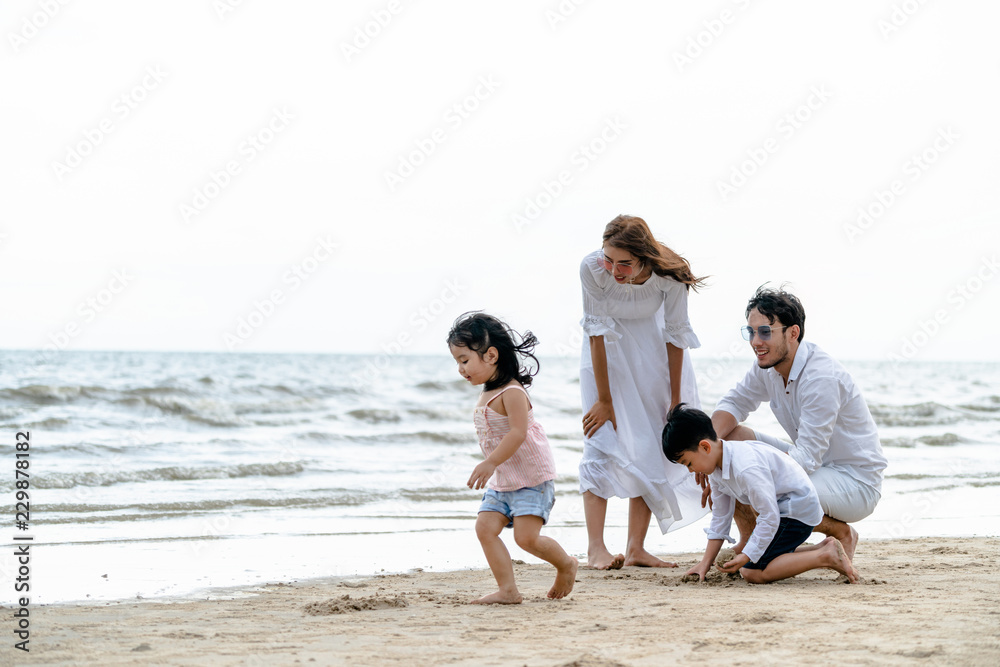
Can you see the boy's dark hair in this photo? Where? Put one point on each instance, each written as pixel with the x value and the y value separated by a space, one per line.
pixel 779 304
pixel 685 428
pixel 479 332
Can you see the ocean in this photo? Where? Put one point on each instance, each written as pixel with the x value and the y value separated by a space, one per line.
pixel 196 475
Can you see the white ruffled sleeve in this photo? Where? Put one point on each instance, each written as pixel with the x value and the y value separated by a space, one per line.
pixel 676 325
pixel 596 321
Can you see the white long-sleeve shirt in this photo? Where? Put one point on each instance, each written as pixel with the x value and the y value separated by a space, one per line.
pixel 767 480
pixel 821 410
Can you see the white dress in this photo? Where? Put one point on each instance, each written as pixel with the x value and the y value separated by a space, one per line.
pixel 637 321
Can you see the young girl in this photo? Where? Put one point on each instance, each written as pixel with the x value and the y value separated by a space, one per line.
pixel 519 469
pixel 635 293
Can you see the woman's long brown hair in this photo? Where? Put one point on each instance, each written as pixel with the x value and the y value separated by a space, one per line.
pixel 632 234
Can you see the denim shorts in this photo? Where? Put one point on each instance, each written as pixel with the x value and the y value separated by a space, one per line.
pixel 529 501
pixel 791 534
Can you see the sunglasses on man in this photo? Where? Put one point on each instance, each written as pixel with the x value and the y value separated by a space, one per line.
pixel 762 332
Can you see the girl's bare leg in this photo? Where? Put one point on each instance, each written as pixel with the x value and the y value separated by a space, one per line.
pixel 488 528
pixel 527 534
pixel 639 515
pixel 595 509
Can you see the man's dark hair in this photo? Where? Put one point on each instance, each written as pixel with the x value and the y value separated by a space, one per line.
pixel 685 428
pixel 777 304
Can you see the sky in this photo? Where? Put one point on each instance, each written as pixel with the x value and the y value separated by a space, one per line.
pixel 348 177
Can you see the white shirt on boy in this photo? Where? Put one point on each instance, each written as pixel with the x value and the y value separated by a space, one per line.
pixel 767 480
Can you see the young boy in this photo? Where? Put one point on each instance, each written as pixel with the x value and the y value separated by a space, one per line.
pixel 772 484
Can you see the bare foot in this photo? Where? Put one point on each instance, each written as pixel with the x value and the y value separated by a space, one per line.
pixel 851 543
pixel 499 598
pixel 642 558
pixel 738 547
pixel 840 562
pixel 565 578
pixel 603 560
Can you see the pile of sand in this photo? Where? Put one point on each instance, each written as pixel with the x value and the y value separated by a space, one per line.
pixel 345 605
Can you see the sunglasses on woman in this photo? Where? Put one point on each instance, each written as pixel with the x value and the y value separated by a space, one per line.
pixel 625 269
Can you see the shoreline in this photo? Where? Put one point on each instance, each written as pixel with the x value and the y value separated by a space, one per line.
pixel 926 601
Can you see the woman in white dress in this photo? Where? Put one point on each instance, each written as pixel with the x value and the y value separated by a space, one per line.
pixel 635 295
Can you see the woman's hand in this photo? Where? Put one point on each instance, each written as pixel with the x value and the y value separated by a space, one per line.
pixel 602 411
pixel 706 488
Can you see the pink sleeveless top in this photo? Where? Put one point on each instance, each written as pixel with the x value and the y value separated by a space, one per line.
pixel 530 465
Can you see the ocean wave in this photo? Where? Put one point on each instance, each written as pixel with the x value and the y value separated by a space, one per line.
pixel 205 411
pixel 69 480
pixel 438 415
pixel 928 413
pixel 442 385
pixel 51 423
pixel 376 415
pixel 943 440
pixel 986 404
pixel 45 394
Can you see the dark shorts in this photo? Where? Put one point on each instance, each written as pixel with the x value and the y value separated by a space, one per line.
pixel 791 533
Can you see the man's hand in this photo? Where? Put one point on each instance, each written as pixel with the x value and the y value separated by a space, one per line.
pixel 733 566
pixel 481 475
pixel 706 488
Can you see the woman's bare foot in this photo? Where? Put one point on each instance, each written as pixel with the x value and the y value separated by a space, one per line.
pixel 499 597
pixel 603 560
pixel 837 556
pixel 565 578
pixel 642 558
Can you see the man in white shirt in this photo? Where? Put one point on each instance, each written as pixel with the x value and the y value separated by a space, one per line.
pixel 772 484
pixel 814 398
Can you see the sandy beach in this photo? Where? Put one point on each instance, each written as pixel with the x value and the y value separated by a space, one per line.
pixel 922 601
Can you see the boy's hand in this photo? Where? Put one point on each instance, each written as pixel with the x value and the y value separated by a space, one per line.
pixel 733 566
pixel 481 475
pixel 701 569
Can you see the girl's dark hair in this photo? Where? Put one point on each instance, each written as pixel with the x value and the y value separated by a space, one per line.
pixel 777 304
pixel 632 234
pixel 479 332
